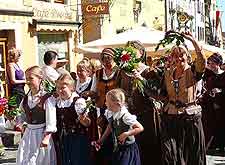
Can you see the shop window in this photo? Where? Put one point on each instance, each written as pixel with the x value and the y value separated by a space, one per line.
pixel 198 6
pixel 55 42
pixel 137 10
pixel 198 33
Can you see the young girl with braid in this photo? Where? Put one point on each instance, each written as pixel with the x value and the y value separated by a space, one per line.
pixel 124 127
pixel 39 113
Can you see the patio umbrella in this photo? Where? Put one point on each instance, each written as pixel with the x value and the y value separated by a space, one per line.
pixel 149 38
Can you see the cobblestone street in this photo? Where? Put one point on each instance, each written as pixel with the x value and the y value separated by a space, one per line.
pixel 10 158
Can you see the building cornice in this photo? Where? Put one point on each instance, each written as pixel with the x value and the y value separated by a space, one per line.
pixel 16 12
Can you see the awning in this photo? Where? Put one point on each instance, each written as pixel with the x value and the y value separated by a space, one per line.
pixel 55 28
pixel 147 36
pixel 55 25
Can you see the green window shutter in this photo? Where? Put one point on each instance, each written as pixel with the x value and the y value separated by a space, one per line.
pixel 27 3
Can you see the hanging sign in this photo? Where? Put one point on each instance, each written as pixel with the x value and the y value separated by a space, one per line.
pixel 94 9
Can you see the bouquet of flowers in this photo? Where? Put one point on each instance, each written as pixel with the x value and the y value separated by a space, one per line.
pixel 127 60
pixel 3 105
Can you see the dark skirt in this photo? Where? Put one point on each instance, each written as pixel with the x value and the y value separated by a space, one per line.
pixel 127 155
pixel 149 140
pixel 213 110
pixel 75 150
pixel 104 155
pixel 183 140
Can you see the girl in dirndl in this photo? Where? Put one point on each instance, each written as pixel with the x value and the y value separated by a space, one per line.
pixel 39 113
pixel 83 88
pixel 71 139
pixel 124 127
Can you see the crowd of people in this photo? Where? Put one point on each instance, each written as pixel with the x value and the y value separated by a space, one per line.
pixel 97 117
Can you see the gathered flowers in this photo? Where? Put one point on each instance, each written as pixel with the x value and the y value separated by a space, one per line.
pixel 127 60
pixel 3 105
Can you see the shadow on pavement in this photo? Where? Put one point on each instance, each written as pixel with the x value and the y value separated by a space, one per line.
pixel 9 160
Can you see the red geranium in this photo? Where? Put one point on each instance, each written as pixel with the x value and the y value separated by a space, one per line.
pixel 125 58
pixel 3 104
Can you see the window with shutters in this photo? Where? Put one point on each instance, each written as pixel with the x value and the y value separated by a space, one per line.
pixel 137 10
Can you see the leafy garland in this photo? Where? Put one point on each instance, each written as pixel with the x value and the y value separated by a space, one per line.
pixel 170 37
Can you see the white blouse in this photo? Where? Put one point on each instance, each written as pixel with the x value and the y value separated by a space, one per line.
pixel 128 118
pixel 49 107
pixel 80 87
pixel 79 106
pixel 50 73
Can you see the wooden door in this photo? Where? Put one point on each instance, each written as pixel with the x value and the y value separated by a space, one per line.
pixel 3 74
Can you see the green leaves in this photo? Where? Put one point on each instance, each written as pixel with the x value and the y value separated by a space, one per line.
pixel 12 101
pixel 13 109
pixel 170 37
pixel 48 86
pixel 12 113
pixel 139 84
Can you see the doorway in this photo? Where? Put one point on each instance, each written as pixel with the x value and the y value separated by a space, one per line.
pixel 3 74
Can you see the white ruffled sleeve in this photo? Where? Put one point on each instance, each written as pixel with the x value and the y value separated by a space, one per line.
pixel 80 105
pixel 50 110
pixel 129 119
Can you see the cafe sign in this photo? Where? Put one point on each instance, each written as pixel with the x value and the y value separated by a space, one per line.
pixel 47 11
pixel 95 9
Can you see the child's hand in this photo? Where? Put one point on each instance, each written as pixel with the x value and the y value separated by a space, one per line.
pixel 123 137
pixel 45 141
pixel 137 75
pixel 82 117
pixel 44 144
pixel 96 144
